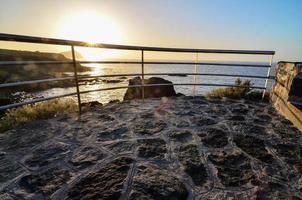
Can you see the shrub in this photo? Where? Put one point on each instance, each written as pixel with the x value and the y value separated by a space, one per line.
pixel 18 116
pixel 241 90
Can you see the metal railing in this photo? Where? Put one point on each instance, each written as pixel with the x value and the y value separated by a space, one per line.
pixel 142 49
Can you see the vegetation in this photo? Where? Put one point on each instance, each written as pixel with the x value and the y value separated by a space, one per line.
pixel 242 89
pixel 18 116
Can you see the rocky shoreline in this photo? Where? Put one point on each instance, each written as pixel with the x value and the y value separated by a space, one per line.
pixel 168 148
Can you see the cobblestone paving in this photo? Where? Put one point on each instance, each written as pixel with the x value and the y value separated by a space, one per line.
pixel 177 148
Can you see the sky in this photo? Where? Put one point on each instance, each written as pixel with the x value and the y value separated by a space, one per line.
pixel 221 24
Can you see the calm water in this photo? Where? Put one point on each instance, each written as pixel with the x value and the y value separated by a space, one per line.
pixel 106 96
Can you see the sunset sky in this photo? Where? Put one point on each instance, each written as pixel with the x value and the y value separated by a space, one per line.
pixel 224 24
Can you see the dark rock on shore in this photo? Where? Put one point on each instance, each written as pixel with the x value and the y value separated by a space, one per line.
pixel 150 92
pixel 112 81
pixel 92 104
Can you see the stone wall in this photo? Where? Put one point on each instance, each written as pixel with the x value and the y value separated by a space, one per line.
pixel 286 94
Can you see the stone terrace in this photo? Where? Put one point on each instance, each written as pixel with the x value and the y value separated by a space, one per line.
pixel 177 148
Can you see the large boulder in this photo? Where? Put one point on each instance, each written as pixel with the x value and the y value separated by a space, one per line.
pixel 150 91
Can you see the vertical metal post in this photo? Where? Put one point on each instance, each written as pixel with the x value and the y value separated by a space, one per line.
pixel 195 76
pixel 143 77
pixel 76 78
pixel 268 75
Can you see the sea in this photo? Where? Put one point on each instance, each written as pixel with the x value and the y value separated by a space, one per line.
pixel 111 69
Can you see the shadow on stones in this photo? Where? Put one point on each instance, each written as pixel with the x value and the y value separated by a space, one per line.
pixel 105 183
pixel 189 157
pixel 233 170
pixel 152 148
pixel 152 182
pixel 254 147
pixel 214 137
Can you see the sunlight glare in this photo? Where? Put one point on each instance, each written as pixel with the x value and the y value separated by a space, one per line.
pixel 92 28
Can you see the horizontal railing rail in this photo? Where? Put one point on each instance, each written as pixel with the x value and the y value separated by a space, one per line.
pixel 78 78
pixel 81 77
pixel 15 84
pixel 41 40
pixel 132 62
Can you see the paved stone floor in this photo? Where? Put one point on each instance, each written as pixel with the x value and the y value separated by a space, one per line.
pixel 178 148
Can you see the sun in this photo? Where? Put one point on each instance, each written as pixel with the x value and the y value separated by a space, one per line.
pixel 91 27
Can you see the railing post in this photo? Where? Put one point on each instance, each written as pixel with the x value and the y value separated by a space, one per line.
pixel 76 78
pixel 268 75
pixel 195 76
pixel 143 77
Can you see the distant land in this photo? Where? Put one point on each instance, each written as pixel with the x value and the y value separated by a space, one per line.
pixel 68 54
pixel 15 73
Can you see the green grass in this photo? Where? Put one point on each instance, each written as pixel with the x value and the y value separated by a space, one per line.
pixel 243 90
pixel 25 114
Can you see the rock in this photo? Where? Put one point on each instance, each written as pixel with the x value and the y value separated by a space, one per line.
pixel 181 136
pixel 112 81
pixel 203 121
pixel 129 151
pixel 49 152
pixel 233 170
pixel 120 146
pixel 114 101
pixel 9 169
pixel 291 154
pixel 6 196
pixel 179 94
pixel 105 183
pixel 22 139
pixel 214 137
pixel 152 182
pixel 118 132
pixel 86 156
pixel 262 119
pixel 273 190
pixel 150 92
pixel 236 118
pixel 45 183
pixel 254 147
pixel 148 127
pixel 152 148
pixel 92 104
pixel 189 157
pixel 105 118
